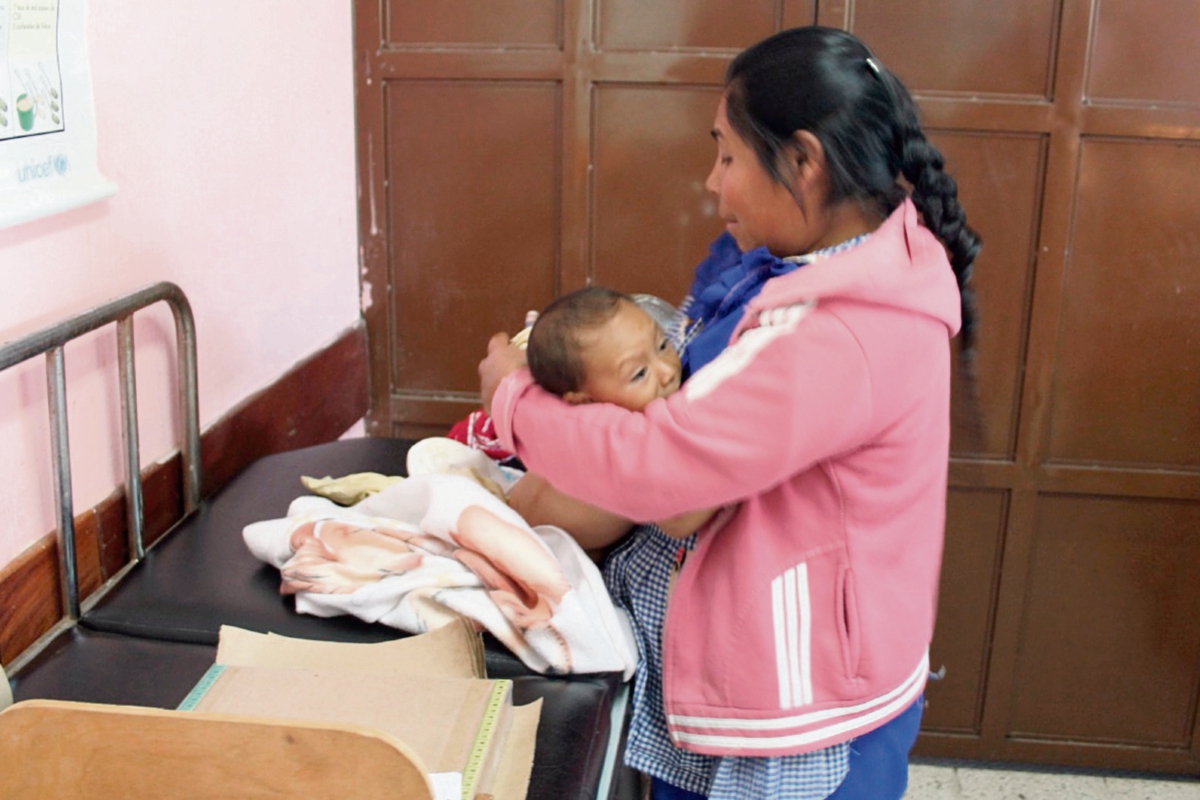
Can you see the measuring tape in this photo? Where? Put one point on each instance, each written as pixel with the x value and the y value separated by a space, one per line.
pixel 497 699
pixel 200 689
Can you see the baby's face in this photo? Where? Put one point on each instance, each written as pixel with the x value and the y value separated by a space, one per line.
pixel 629 360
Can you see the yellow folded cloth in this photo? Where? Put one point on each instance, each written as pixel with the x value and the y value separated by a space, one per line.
pixel 349 489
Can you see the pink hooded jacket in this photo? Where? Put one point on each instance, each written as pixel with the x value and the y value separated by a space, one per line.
pixel 804 614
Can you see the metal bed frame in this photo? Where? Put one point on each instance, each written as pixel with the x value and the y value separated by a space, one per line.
pixel 51 341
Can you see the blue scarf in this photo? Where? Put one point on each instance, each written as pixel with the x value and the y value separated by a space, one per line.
pixel 724 283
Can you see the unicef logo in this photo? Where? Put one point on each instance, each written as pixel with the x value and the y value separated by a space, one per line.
pixel 44 168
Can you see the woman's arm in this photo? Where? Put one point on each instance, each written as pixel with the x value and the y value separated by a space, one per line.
pixel 541 504
pixel 775 402
pixel 593 528
pixel 685 524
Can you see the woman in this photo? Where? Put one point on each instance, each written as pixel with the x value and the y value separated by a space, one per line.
pixel 795 648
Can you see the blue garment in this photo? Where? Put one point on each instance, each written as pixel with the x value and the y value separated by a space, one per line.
pixel 661 790
pixel 724 283
pixel 879 759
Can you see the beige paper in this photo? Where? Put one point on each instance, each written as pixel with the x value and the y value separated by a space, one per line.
pixel 6 697
pixel 452 651
pixel 437 717
pixel 512 780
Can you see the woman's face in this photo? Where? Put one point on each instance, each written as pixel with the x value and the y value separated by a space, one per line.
pixel 757 210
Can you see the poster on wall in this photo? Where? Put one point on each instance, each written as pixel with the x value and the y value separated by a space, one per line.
pixel 47 120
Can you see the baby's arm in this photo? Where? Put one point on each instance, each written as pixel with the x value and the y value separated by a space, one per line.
pixel 541 504
pixel 687 523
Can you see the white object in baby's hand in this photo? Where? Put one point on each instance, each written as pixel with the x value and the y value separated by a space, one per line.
pixel 521 338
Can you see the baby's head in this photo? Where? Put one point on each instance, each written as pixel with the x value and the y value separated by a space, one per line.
pixel 597 346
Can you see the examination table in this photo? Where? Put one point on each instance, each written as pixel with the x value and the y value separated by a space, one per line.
pixel 153 635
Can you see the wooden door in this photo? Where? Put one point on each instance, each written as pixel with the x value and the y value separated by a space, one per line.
pixel 515 149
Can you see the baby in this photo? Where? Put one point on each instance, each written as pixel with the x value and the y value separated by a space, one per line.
pixel 596 345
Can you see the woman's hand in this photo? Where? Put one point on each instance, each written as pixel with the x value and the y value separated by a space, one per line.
pixel 502 360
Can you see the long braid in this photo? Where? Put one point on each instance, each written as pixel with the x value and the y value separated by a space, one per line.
pixel 935 194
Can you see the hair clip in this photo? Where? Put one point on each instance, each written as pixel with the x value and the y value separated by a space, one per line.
pixel 873 65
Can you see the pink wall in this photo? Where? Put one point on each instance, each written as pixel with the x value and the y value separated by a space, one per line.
pixel 229 129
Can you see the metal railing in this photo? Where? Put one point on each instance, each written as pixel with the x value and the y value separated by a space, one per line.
pixel 51 340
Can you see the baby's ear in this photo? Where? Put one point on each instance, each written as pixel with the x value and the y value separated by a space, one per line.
pixel 577 398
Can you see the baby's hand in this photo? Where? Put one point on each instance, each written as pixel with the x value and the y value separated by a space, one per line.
pixel 502 360
pixel 520 339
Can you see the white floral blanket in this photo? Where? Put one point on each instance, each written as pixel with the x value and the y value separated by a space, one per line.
pixel 437 545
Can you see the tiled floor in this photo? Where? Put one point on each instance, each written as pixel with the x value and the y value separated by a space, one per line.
pixel 932 781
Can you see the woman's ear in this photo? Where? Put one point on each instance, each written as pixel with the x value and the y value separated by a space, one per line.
pixel 808 159
pixel 577 398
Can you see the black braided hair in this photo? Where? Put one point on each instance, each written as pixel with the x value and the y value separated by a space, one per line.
pixel 826 81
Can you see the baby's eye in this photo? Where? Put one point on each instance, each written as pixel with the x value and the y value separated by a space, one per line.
pixel 726 160
pixel 663 344
pixel 637 376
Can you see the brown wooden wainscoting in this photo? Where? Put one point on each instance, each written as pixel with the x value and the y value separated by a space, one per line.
pixel 314 402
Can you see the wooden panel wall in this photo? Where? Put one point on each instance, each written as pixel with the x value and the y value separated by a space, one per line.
pixel 510 151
